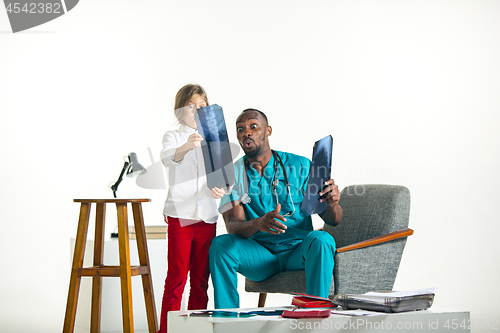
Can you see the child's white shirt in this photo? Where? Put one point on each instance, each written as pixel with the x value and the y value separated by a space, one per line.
pixel 188 195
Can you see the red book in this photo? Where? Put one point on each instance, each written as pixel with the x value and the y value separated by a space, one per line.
pixel 308 301
pixel 306 314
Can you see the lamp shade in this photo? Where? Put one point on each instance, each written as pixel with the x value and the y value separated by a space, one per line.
pixel 131 168
pixel 135 168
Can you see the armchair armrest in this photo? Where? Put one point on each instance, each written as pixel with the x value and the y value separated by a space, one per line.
pixel 377 240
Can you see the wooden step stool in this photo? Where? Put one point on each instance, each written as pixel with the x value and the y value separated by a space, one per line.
pixel 124 270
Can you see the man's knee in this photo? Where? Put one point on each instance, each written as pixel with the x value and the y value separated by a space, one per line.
pixel 222 246
pixel 219 244
pixel 322 239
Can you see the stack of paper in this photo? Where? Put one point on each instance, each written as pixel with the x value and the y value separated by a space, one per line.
pixel 152 232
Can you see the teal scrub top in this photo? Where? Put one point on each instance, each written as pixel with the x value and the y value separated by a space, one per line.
pixel 263 199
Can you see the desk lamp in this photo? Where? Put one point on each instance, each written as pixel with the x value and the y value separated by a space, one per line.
pixel 131 168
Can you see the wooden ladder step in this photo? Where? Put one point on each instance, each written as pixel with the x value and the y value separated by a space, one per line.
pixel 111 271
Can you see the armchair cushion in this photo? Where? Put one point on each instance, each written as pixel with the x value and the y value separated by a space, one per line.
pixel 285 282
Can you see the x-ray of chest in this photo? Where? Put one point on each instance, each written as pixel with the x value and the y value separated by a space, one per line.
pixel 215 146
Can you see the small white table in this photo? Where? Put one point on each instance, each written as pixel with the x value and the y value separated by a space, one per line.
pixel 428 321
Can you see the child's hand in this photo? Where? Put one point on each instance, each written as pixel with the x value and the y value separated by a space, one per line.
pixel 193 141
pixel 217 193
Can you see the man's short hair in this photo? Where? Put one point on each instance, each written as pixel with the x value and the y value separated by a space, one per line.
pixel 261 113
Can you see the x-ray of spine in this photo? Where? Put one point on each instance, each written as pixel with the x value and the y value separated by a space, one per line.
pixel 215 146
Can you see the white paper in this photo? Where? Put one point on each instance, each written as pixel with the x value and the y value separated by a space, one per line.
pixel 358 313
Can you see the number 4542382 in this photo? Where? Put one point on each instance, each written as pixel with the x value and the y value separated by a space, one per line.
pixel 468 324
pixel 34 8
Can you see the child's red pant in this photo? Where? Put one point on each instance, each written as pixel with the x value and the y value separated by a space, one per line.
pixel 187 251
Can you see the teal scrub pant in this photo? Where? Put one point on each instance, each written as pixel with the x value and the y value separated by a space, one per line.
pixel 231 254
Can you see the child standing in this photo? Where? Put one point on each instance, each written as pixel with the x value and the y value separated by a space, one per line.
pixel 190 209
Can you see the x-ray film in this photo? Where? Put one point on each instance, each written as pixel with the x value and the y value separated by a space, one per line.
pixel 319 173
pixel 215 146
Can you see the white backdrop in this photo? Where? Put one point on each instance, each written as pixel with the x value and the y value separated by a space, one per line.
pixel 408 89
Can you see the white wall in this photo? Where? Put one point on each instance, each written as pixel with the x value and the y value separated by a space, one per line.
pixel 408 89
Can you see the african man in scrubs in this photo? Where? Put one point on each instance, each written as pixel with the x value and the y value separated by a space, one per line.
pixel 266 236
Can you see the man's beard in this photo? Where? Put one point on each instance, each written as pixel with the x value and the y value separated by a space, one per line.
pixel 253 153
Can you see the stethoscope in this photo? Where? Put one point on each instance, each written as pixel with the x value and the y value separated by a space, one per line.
pixel 246 198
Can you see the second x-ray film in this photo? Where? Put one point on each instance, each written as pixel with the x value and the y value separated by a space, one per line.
pixel 319 173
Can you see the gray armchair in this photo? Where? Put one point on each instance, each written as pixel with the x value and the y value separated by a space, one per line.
pixel 370 242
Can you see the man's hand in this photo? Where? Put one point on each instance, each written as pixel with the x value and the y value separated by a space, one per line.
pixel 330 194
pixel 269 223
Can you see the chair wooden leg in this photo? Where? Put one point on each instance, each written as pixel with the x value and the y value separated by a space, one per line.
pixel 147 282
pixel 262 300
pixel 125 273
pixel 95 316
pixel 74 283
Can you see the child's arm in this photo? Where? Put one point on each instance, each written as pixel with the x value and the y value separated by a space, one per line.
pixel 173 151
